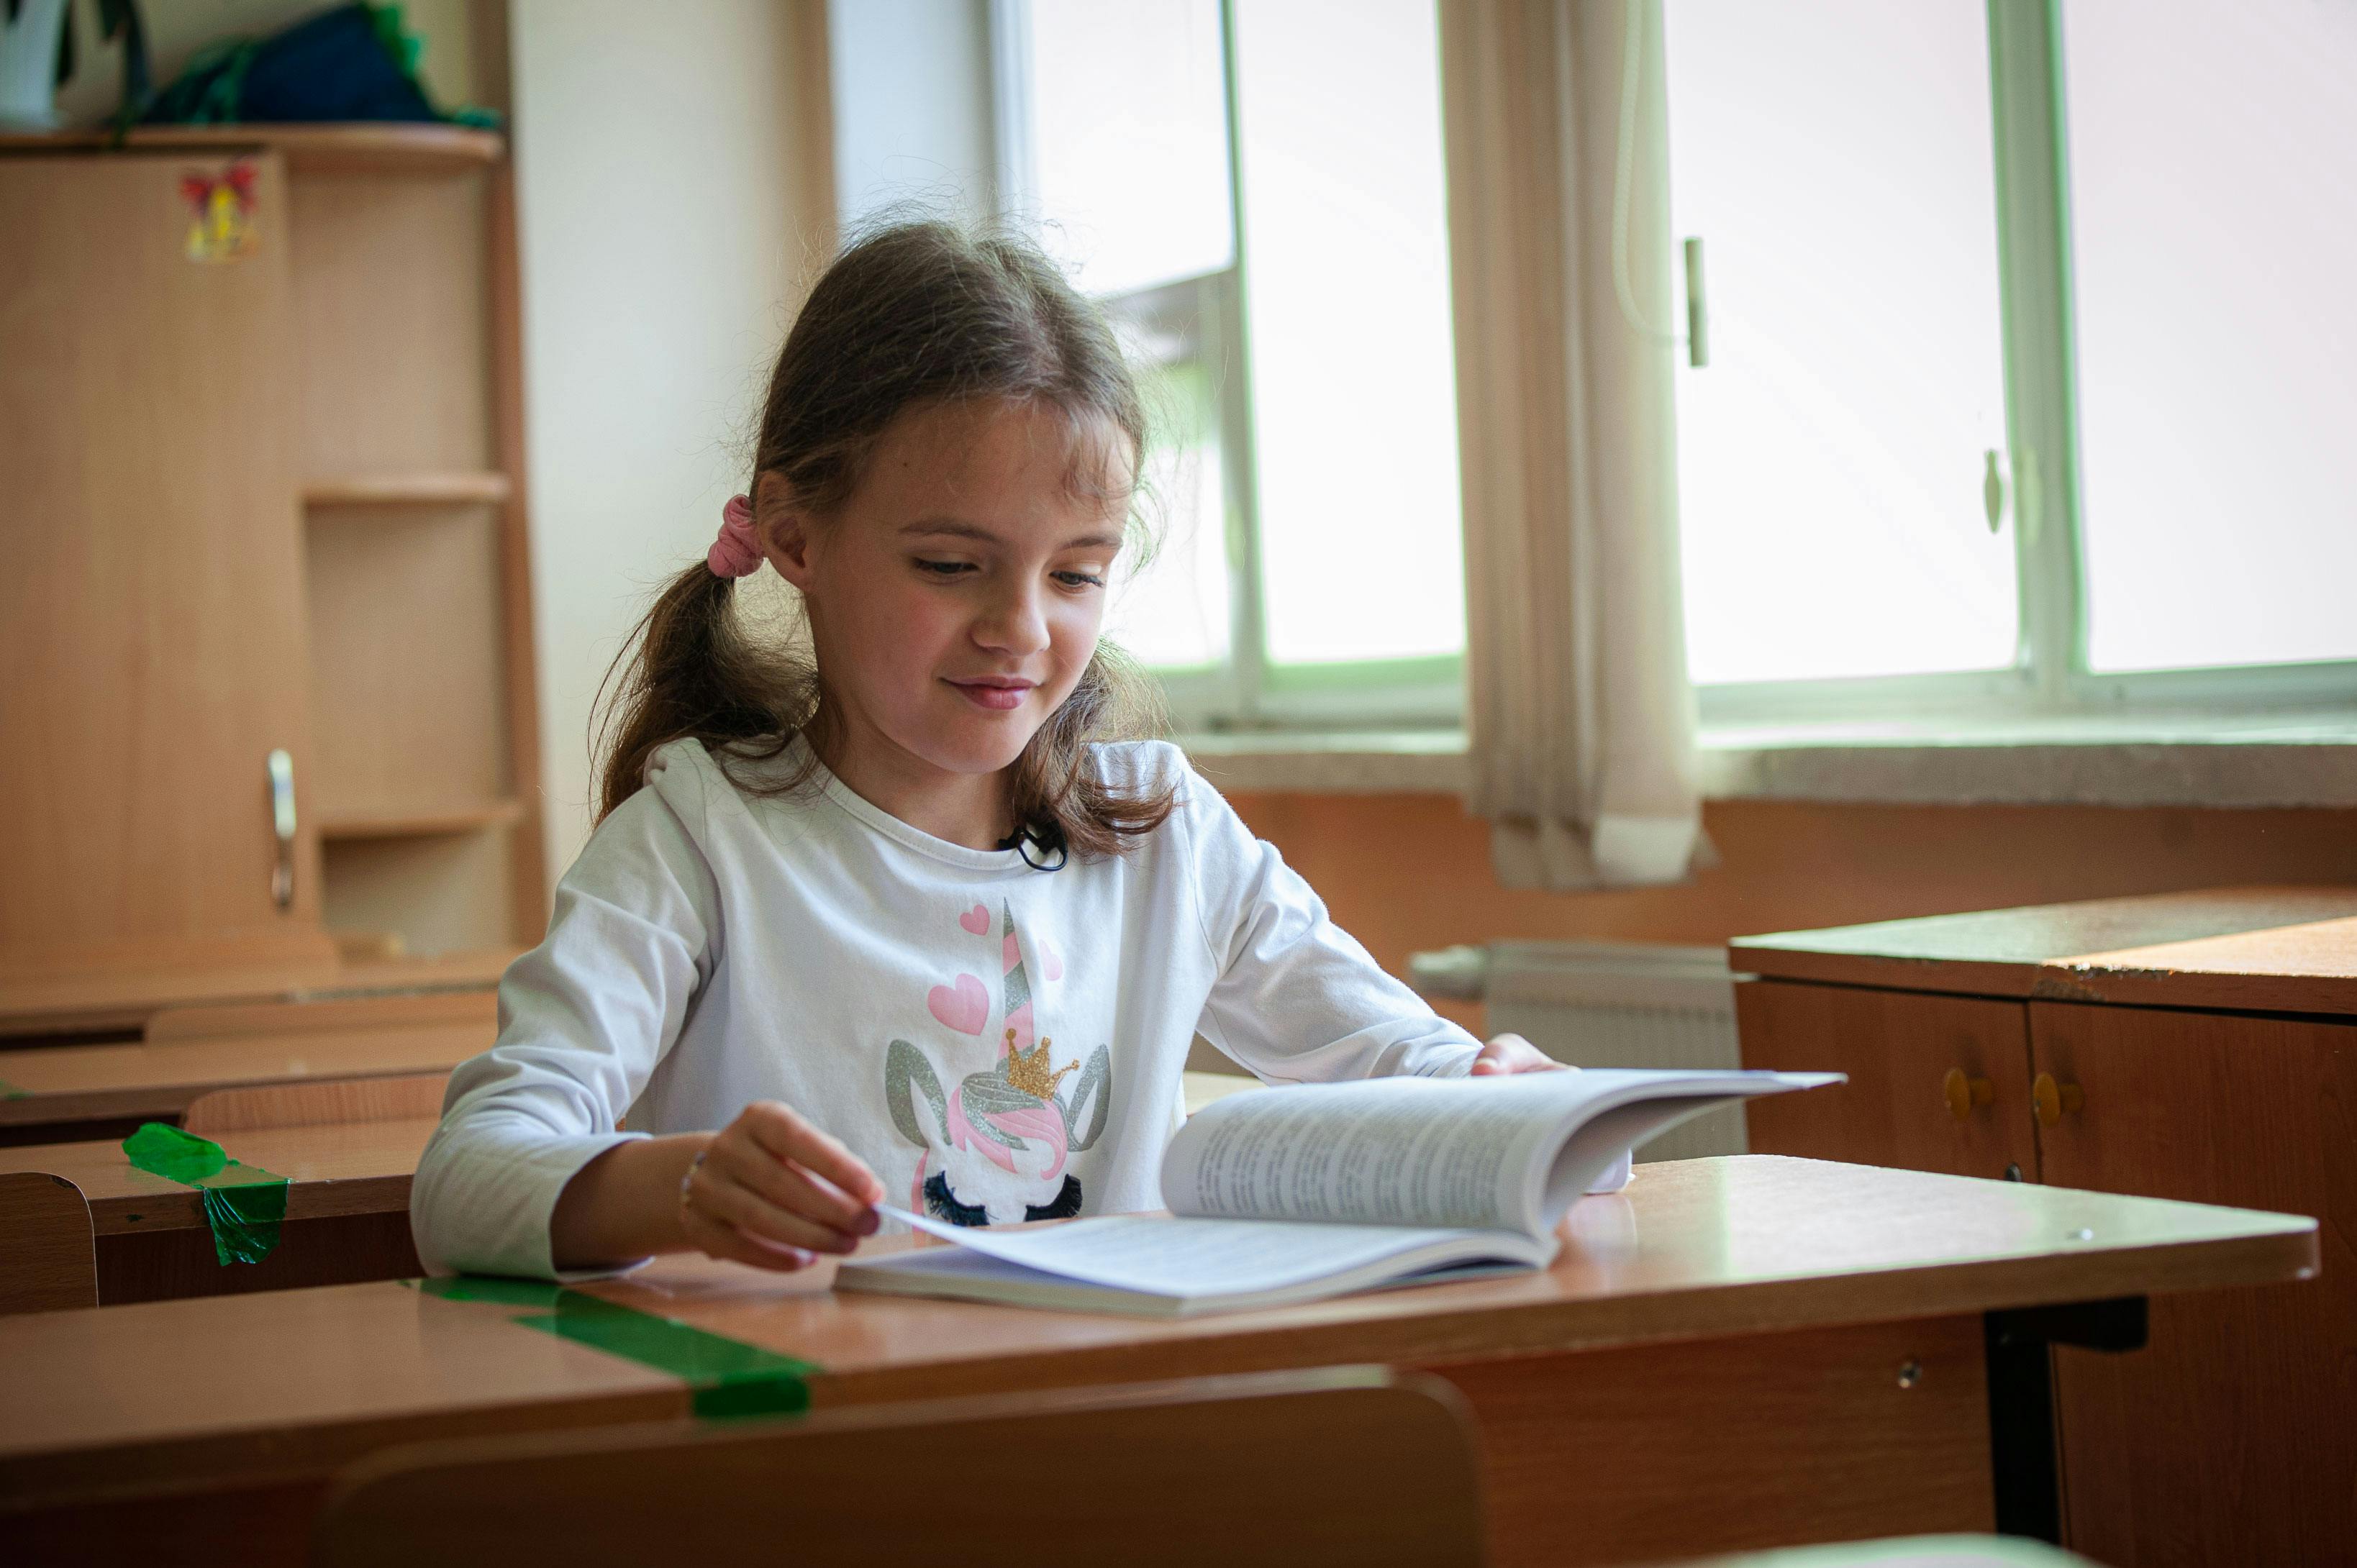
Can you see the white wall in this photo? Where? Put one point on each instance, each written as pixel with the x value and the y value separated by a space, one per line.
pixel 910 81
pixel 661 199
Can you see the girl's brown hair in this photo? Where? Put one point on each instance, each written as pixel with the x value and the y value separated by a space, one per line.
pixel 907 315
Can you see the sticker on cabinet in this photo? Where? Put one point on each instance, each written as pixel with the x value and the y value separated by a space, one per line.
pixel 221 223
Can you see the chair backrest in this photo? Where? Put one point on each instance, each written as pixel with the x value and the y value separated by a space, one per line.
pixel 49 1253
pixel 248 1018
pixel 1355 1465
pixel 317 1102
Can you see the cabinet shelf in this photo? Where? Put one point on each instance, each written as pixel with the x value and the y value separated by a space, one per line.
pixel 406 489
pixel 389 148
pixel 437 822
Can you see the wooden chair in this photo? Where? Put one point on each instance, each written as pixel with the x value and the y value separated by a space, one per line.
pixel 49 1253
pixel 407 1098
pixel 1356 1465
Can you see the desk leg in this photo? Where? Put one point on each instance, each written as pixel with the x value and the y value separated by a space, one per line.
pixel 2023 1466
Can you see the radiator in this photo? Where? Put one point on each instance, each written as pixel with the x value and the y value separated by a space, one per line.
pixel 1607 1005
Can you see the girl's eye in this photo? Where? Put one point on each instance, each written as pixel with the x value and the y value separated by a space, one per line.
pixel 944 568
pixel 1080 579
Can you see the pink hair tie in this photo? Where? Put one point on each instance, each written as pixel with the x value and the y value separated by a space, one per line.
pixel 737 550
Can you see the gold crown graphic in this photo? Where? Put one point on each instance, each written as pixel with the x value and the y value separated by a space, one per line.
pixel 1030 1073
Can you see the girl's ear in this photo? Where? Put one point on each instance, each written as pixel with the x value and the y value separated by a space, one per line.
pixel 784 528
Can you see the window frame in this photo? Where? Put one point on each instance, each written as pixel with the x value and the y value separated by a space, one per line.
pixel 2050 678
pixel 1249 691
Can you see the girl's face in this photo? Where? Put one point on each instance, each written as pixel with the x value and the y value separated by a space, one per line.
pixel 956 598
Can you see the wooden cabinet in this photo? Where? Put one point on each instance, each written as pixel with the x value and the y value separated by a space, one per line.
pixel 151 607
pixel 2199 1046
pixel 1901 1053
pixel 263 493
pixel 2257 1112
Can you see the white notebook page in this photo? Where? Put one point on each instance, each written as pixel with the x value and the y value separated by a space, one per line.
pixel 1162 1255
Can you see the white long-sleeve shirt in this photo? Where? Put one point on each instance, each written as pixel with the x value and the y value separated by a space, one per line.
pixel 995 1041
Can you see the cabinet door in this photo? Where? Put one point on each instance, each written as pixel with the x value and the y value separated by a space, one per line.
pixel 151 607
pixel 2229 1437
pixel 1899 1048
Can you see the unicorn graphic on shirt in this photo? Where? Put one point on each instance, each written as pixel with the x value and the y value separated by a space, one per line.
pixel 994 1147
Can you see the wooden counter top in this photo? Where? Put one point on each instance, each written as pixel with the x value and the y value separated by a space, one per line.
pixel 2283 950
pixel 295 1383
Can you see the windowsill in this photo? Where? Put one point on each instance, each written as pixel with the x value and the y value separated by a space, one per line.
pixel 2251 760
pixel 1335 762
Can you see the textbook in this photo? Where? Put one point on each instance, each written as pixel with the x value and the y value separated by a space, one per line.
pixel 1293 1194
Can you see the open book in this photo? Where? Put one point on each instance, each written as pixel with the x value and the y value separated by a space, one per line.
pixel 1290 1195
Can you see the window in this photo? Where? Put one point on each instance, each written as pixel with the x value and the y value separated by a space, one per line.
pixel 1254 191
pixel 2213 184
pixel 2027 363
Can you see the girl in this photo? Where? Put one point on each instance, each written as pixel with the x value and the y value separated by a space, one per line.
pixel 912 916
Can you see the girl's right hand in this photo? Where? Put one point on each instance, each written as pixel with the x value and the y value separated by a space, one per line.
pixel 772 1190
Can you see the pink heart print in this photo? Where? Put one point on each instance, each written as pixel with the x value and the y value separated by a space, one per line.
pixel 963 1005
pixel 976 920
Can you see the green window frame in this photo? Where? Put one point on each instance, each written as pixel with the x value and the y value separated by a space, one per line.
pixel 2051 677
pixel 1248 692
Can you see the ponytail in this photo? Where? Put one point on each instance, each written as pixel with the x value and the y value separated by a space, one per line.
pixel 691 669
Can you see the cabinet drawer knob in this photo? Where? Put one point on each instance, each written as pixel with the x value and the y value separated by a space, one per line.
pixel 1963 1093
pixel 2052 1101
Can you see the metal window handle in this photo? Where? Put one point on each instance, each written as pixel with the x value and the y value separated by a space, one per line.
pixel 1697 307
pixel 282 819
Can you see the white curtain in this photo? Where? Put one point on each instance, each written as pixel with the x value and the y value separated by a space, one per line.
pixel 1581 718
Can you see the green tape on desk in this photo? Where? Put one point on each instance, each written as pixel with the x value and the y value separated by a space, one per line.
pixel 728 1377
pixel 244 1205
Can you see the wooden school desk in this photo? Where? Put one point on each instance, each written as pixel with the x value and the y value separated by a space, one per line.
pixel 347 1210
pixel 2192 1045
pixel 347 1206
pixel 125 999
pixel 56 1093
pixel 1734 1353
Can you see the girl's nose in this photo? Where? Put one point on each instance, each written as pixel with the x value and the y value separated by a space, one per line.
pixel 1013 623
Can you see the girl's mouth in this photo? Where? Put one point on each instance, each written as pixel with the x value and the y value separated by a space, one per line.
pixel 999 697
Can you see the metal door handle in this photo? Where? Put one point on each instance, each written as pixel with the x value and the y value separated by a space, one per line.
pixel 282 818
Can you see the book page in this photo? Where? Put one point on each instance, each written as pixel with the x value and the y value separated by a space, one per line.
pixel 1389 1151
pixel 1159 1254
pixel 1494 1154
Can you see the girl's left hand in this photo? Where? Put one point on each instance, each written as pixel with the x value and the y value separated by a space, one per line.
pixel 1511 1053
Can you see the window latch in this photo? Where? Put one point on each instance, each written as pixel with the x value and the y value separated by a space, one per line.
pixel 1697 308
